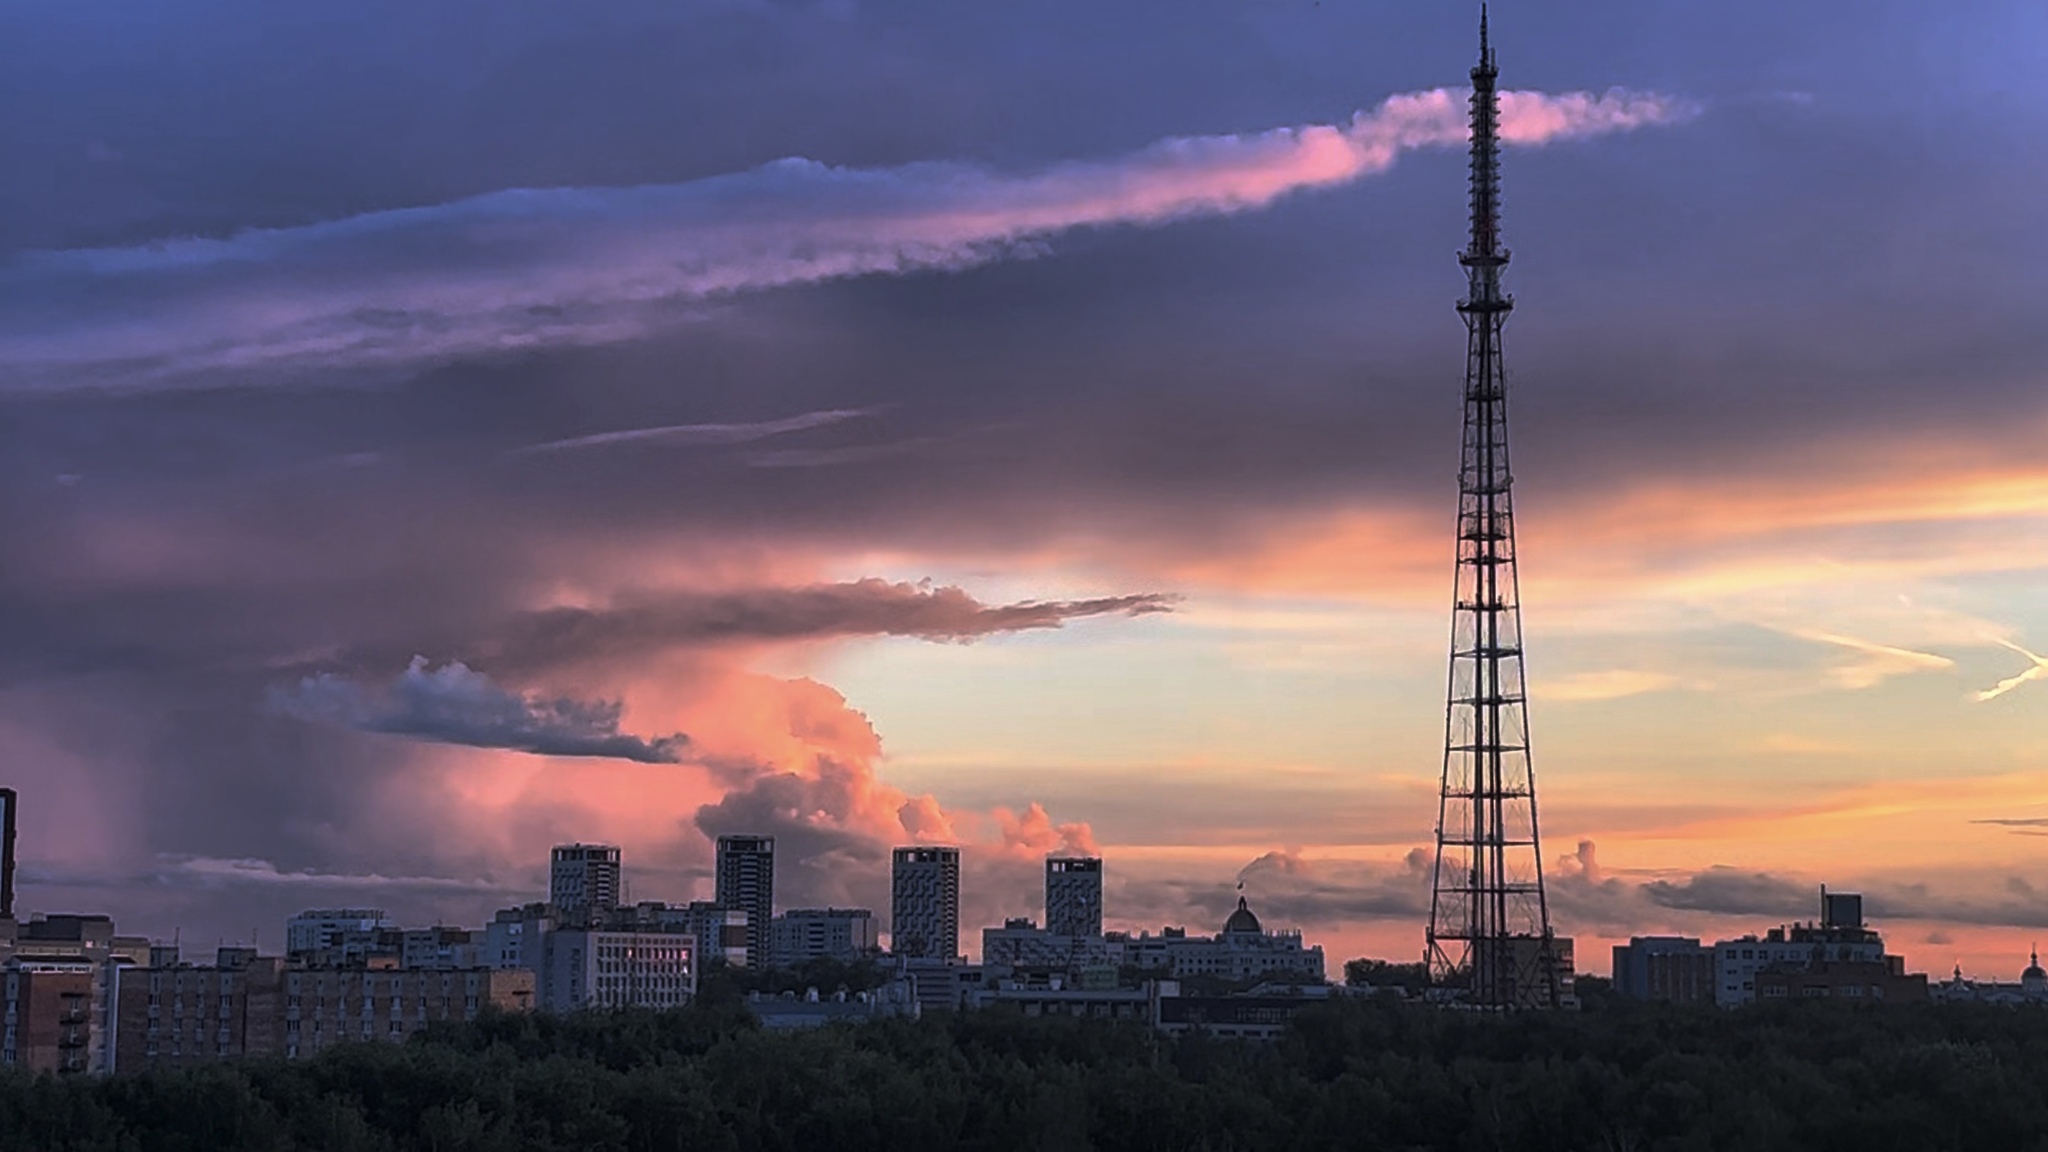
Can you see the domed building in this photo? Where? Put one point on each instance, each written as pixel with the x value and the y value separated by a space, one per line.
pixel 1244 950
pixel 2034 981
pixel 1242 922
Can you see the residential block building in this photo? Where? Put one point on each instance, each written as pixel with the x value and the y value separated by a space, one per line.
pixel 583 882
pixel 745 882
pixel 924 908
pixel 1073 895
pixel 596 969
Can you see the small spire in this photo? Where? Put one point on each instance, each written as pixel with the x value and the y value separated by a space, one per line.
pixel 1485 55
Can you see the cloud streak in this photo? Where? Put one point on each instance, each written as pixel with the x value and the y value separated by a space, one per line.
pixel 869 607
pixel 525 268
pixel 453 704
pixel 693 435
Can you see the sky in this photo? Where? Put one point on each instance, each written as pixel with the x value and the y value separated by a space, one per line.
pixel 432 432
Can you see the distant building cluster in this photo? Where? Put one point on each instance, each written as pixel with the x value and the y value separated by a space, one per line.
pixel 1837 957
pixel 77 997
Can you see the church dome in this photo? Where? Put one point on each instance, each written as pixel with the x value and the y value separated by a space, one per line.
pixel 2034 978
pixel 1242 920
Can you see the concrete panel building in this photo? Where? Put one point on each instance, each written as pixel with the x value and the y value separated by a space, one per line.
pixel 583 882
pixel 745 881
pixel 1670 969
pixel 47 1015
pixel 924 908
pixel 801 935
pixel 589 969
pixel 1073 895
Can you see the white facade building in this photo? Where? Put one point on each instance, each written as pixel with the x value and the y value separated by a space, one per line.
pixel 924 908
pixel 1839 937
pixel 1244 950
pixel 801 935
pixel 586 969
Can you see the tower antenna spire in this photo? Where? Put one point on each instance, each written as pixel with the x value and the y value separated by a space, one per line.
pixel 1489 920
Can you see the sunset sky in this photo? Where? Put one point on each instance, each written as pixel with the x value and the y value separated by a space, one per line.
pixel 431 432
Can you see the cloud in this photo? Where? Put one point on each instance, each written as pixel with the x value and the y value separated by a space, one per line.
pixel 702 434
pixel 868 607
pixel 1611 684
pixel 1726 891
pixel 1879 661
pixel 454 704
pixel 528 268
pixel 216 872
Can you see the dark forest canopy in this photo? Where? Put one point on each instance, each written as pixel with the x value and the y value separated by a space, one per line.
pixel 1361 1074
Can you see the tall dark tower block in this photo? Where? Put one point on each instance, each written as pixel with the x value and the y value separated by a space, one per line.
pixel 1489 924
pixel 1073 895
pixel 746 883
pixel 6 853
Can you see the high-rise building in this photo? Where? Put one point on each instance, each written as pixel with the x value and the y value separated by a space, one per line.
pixel 7 800
pixel 1073 895
pixel 924 907
pixel 583 881
pixel 746 882
pixel 1489 930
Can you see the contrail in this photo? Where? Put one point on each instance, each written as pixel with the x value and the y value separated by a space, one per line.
pixel 2037 670
pixel 698 434
pixel 536 268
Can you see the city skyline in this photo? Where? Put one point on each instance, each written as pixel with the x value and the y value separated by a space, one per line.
pixel 1055 465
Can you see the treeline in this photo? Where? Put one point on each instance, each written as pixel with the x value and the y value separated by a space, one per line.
pixel 1357 1075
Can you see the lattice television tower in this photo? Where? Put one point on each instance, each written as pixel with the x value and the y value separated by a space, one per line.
pixel 1489 923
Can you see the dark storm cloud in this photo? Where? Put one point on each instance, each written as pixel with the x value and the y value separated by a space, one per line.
pixel 1776 270
pixel 453 704
pixel 1726 891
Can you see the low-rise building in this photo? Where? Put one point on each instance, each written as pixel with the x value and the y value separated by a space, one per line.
pixel 47 1016
pixel 1023 944
pixel 1262 1018
pixel 1672 969
pixel 1840 937
pixel 333 931
pixel 328 1006
pixel 895 1000
pixel 801 935
pixel 721 933
pixel 585 969
pixel 1244 950
pixel 1858 981
pixel 1959 989
pixel 514 937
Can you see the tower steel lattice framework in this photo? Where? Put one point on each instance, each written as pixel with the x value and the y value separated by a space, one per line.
pixel 1489 922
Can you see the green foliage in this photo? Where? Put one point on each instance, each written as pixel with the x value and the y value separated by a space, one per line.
pixel 1386 974
pixel 1361 1074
